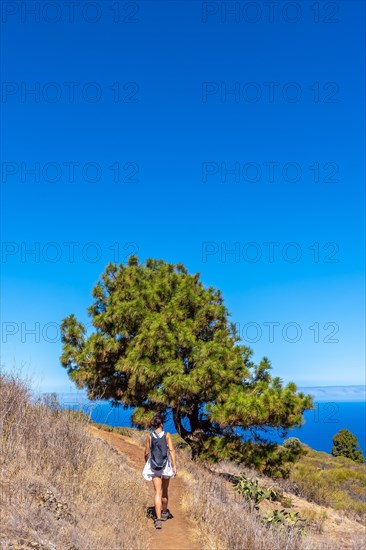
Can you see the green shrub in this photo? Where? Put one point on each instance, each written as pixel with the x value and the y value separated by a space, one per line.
pixel 331 481
pixel 178 442
pixel 270 459
pixel 345 444
pixel 293 443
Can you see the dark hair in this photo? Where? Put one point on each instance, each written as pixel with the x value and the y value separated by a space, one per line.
pixel 157 421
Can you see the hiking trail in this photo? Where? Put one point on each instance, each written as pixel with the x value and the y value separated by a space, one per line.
pixel 177 533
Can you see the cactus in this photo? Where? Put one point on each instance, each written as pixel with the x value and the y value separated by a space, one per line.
pixel 289 519
pixel 250 490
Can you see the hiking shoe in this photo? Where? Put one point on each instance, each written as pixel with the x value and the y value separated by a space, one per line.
pixel 166 515
pixel 158 524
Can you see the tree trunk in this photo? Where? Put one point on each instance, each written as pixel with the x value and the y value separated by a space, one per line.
pixel 191 437
pixel 179 426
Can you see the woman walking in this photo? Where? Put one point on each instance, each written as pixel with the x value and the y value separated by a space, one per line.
pixel 160 466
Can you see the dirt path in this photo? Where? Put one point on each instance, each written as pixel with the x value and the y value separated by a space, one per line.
pixel 177 533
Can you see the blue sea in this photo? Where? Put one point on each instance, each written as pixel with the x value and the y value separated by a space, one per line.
pixel 320 425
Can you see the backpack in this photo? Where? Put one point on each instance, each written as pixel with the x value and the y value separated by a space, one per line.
pixel 158 451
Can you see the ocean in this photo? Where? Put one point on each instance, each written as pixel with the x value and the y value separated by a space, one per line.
pixel 321 424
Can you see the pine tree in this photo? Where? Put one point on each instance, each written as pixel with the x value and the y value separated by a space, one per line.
pixel 164 341
pixel 345 444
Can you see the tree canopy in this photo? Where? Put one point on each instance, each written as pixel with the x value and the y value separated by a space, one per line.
pixel 345 443
pixel 163 341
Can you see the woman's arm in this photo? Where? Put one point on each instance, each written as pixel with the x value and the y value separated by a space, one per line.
pixel 172 452
pixel 147 447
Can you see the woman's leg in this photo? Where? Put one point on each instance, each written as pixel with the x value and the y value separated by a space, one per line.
pixel 158 493
pixel 164 497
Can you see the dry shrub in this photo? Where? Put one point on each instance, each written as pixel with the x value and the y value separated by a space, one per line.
pixel 61 488
pixel 226 522
pixel 329 481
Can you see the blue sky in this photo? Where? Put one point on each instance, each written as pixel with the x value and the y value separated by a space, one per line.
pixel 224 132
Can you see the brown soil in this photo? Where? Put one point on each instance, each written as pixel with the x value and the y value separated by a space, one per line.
pixel 177 533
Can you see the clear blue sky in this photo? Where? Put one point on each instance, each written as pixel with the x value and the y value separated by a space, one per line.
pixel 184 91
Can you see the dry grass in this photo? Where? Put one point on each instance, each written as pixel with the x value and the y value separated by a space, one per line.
pixel 60 487
pixel 63 489
pixel 331 481
pixel 226 522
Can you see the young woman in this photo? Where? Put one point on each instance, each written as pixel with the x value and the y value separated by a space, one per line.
pixel 160 478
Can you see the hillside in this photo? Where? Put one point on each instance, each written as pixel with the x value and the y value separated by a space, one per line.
pixel 69 484
pixel 337 482
pixel 61 489
pixel 210 494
